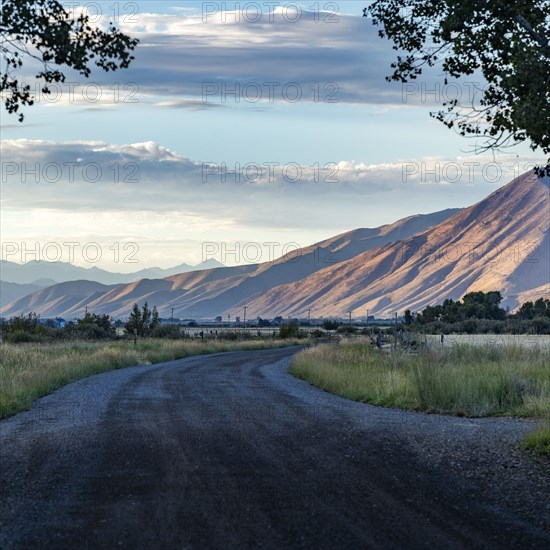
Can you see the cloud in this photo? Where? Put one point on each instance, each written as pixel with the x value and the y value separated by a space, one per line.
pixel 98 176
pixel 188 104
pixel 185 61
pixel 182 55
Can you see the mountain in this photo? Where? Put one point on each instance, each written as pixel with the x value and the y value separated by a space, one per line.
pixel 50 273
pixel 62 300
pixel 501 243
pixel 9 292
pixel 211 292
pixel 159 273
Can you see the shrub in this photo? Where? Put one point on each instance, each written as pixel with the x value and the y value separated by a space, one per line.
pixel 167 331
pixel 329 324
pixel 289 330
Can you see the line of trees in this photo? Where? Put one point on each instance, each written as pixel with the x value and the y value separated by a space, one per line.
pixel 481 312
pixel 476 312
pixel 142 322
pixel 30 328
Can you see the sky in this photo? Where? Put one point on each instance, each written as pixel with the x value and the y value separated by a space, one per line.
pixel 268 123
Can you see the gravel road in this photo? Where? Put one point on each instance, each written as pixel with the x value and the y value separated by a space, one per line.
pixel 230 451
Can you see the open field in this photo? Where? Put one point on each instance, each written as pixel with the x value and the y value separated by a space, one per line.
pixel 524 340
pixel 459 379
pixel 29 371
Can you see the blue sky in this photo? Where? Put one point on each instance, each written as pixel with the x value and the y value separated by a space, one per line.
pixel 310 99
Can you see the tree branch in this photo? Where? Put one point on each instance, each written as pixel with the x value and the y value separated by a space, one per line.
pixel 541 41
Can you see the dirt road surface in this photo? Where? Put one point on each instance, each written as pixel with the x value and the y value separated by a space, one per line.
pixel 230 451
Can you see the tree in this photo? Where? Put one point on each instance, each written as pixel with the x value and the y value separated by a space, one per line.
pixel 526 311
pixel 155 319
pixel 530 310
pixel 93 325
pixel 451 311
pixel 28 323
pixel 143 320
pixel 542 308
pixel 46 32
pixel 135 322
pixel 430 314
pixel 329 324
pixel 507 42
pixel 481 305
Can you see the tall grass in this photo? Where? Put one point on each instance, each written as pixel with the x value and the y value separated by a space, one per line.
pixel 538 441
pixel 29 371
pixel 462 380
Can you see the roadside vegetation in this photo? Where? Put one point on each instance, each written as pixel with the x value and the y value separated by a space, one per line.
pixel 538 442
pixel 461 379
pixel 31 370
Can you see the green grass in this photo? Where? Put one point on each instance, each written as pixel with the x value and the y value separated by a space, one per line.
pixel 30 371
pixel 538 442
pixel 461 380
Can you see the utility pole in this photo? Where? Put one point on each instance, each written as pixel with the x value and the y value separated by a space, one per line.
pixel 367 320
pixel 244 318
pixel 172 317
pixel 85 311
pixel 309 316
pixel 349 318
pixel 395 331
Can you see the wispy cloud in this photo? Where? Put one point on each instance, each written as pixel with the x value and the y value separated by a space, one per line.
pixel 94 175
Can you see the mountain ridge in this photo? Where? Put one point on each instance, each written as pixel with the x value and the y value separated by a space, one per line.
pixel 500 243
pixel 211 292
pixel 515 218
pixel 39 272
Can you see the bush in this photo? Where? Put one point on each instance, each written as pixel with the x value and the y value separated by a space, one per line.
pixel 167 331
pixel 289 330
pixel 93 332
pixel 346 330
pixel 230 336
pixel 20 336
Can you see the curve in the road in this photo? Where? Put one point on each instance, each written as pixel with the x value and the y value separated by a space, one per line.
pixel 230 451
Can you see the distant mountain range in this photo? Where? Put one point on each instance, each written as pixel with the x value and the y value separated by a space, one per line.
pixel 10 292
pixel 17 280
pixel 210 292
pixel 501 243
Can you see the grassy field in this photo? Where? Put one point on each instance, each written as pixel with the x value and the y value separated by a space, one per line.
pixel 522 340
pixel 463 380
pixel 29 371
